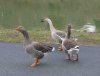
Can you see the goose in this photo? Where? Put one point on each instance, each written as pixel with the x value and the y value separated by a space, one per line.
pixel 89 28
pixel 54 31
pixel 35 49
pixel 70 46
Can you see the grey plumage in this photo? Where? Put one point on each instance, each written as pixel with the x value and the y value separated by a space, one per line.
pixel 35 49
pixel 69 44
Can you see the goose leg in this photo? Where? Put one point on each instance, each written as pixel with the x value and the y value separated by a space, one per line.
pixel 35 62
pixel 60 48
pixel 76 57
pixel 38 62
pixel 68 56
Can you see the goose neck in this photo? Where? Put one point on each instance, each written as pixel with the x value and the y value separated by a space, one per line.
pixel 26 38
pixel 52 28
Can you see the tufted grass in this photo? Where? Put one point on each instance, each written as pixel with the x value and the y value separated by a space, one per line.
pixel 88 38
pixel 42 35
pixel 11 35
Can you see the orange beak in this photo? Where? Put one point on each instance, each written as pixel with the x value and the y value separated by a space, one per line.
pixel 17 28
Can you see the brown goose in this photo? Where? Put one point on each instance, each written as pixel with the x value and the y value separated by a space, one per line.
pixel 35 49
pixel 54 32
pixel 70 45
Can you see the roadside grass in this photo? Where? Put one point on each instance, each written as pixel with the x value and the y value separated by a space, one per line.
pixel 88 38
pixel 41 35
pixel 11 35
pixel 28 13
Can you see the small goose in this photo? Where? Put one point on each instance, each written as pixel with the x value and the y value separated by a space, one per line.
pixel 35 49
pixel 54 32
pixel 70 46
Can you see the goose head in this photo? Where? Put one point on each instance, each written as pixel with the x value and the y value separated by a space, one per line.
pixel 45 19
pixel 23 31
pixel 48 20
pixel 20 29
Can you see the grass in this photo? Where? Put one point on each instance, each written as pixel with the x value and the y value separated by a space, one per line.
pixel 88 38
pixel 62 12
pixel 29 12
pixel 11 35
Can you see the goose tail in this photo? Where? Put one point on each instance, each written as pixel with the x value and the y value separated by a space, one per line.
pixel 69 31
pixel 53 49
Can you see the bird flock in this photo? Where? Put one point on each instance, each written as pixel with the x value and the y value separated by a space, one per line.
pixel 38 50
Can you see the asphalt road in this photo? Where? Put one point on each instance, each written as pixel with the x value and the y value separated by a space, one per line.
pixel 14 61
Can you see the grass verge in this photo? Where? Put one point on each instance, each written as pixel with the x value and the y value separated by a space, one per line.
pixel 11 35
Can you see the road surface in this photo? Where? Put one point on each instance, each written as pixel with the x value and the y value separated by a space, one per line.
pixel 14 61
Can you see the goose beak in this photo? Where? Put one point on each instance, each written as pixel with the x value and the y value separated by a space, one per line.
pixel 42 20
pixel 17 28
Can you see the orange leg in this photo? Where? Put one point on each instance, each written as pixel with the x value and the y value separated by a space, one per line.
pixel 38 62
pixel 35 62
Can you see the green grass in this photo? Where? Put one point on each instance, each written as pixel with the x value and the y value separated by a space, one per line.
pixel 11 35
pixel 28 13
pixel 62 12
pixel 88 38
pixel 42 35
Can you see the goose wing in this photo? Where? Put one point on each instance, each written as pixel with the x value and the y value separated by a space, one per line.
pixel 61 33
pixel 43 47
pixel 69 43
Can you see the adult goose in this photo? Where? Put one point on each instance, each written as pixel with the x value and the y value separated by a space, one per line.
pixel 54 31
pixel 70 45
pixel 35 49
